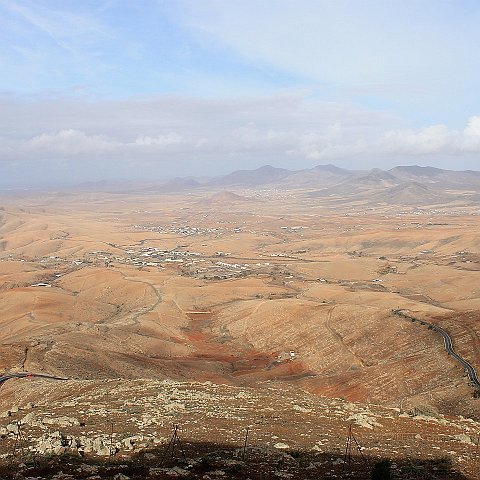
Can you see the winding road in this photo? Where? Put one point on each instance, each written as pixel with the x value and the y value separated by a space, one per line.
pixel 144 310
pixel 8 376
pixel 447 341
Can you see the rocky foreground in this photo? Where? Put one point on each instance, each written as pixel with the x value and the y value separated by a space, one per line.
pixel 121 429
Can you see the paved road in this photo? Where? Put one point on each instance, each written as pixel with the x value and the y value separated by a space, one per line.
pixel 447 341
pixel 8 376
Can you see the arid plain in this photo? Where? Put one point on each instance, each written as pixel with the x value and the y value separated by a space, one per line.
pixel 245 286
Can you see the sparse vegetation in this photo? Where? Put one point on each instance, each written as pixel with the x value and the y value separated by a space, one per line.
pixel 382 470
pixel 238 296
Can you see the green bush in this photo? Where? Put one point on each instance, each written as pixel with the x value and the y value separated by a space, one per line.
pixel 382 470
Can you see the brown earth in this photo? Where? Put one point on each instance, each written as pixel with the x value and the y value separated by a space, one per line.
pixel 290 289
pixel 277 431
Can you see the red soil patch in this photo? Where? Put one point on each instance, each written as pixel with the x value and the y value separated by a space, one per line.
pixel 240 362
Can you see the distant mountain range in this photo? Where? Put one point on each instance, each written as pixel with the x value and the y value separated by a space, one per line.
pixel 261 176
pixel 328 175
pixel 402 185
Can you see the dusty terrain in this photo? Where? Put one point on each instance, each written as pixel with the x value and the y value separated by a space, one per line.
pixel 98 430
pixel 243 288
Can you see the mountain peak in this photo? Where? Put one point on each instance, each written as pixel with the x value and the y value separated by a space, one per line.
pixel 418 170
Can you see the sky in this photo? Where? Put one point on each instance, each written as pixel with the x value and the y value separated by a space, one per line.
pixel 120 90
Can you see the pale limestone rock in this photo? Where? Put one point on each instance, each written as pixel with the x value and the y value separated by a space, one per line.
pixel 61 421
pixel 13 428
pixel 464 439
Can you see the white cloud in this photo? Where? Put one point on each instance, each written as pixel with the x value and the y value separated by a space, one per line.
pixel 69 142
pixel 159 140
pixel 72 143
pixel 433 140
pixel 172 135
pixel 331 143
pixel 472 130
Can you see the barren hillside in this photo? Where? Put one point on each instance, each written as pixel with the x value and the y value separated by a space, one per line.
pixel 289 291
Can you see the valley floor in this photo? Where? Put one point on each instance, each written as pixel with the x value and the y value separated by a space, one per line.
pixel 276 290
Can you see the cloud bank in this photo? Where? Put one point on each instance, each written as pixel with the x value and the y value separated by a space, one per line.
pixel 156 138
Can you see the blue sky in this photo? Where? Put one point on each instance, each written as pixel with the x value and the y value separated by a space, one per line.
pixel 121 48
pixel 110 89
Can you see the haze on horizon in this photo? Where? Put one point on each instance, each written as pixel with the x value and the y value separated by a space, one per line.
pixel 119 90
